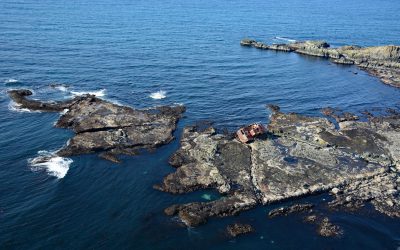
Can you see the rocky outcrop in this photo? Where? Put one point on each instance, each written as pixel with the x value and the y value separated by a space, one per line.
pixel 380 61
pixel 328 229
pixel 19 96
pixel 325 227
pixel 285 211
pixel 381 190
pixel 339 115
pixel 106 128
pixel 237 229
pixel 299 156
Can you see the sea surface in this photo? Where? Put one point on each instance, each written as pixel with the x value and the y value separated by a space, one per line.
pixel 144 53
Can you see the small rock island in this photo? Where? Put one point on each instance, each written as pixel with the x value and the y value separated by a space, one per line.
pixel 380 61
pixel 107 128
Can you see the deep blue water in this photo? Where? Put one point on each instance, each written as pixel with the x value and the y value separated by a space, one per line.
pixel 190 49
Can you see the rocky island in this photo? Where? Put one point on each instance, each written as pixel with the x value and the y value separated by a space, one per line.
pixel 358 161
pixel 380 61
pixel 106 128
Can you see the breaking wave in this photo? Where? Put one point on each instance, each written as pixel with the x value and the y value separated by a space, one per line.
pixel 15 107
pixel 285 39
pixel 98 93
pixel 11 80
pixel 159 95
pixel 51 163
pixel 62 88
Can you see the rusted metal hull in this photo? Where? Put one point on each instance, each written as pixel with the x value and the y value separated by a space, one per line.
pixel 248 133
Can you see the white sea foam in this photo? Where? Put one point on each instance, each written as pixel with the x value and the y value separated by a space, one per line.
pixel 15 107
pixel 161 94
pixel 11 80
pixel 62 88
pixel 98 93
pixel 50 163
pixel 285 39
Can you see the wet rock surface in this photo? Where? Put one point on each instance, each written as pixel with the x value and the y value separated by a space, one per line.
pixel 19 96
pixel 106 128
pixel 299 156
pixel 328 229
pixel 325 227
pixel 381 190
pixel 237 229
pixel 339 115
pixel 380 61
pixel 296 208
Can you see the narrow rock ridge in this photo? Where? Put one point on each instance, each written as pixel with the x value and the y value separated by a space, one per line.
pixel 285 211
pixel 299 156
pixel 380 61
pixel 106 128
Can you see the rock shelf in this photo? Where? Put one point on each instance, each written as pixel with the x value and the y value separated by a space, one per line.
pixel 380 61
pixel 299 156
pixel 104 127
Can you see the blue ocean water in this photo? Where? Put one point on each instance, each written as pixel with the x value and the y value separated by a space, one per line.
pixel 129 50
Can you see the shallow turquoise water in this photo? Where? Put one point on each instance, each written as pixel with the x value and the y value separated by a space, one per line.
pixel 190 50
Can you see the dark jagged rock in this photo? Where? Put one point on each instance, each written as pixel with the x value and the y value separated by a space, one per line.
pixel 380 61
pixel 274 108
pixel 381 190
pixel 284 211
pixel 196 213
pixel 338 115
pixel 19 96
pixel 107 128
pixel 110 157
pixel 325 227
pixel 310 218
pixel 247 42
pixel 237 229
pixel 328 229
pixel 209 160
pixel 300 156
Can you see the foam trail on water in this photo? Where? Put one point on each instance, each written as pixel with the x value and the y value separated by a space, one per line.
pixel 285 39
pixel 51 163
pixel 98 93
pixel 161 94
pixel 11 80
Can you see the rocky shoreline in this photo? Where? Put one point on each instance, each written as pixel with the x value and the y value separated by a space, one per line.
pixel 380 61
pixel 106 128
pixel 358 162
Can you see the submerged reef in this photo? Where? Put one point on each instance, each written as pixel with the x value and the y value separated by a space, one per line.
pixel 299 156
pixel 380 61
pixel 104 127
